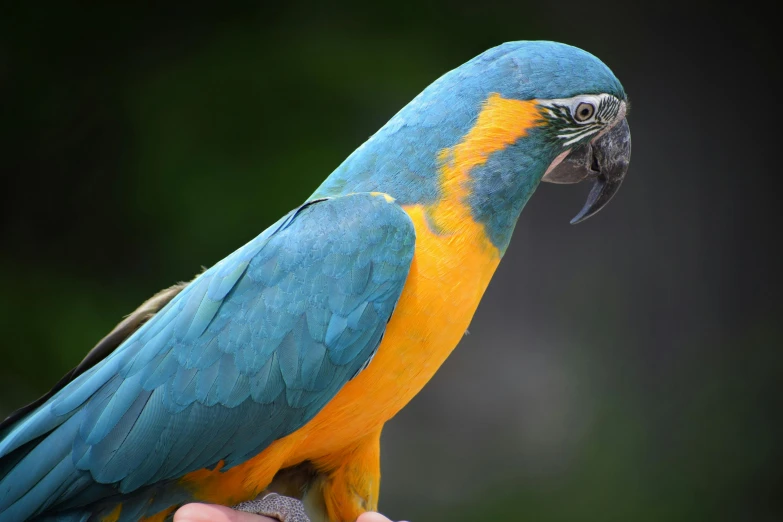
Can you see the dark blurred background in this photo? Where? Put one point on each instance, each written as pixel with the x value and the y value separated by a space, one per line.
pixel 626 369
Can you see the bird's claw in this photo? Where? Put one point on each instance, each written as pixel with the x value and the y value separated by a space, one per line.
pixel 285 509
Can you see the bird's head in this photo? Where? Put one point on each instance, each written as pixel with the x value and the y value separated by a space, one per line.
pixel 476 143
pixel 577 108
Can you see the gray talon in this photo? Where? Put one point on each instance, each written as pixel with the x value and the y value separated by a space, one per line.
pixel 285 509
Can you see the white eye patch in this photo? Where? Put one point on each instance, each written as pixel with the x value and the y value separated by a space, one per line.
pixel 576 118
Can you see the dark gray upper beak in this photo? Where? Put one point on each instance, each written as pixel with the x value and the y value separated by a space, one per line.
pixel 604 160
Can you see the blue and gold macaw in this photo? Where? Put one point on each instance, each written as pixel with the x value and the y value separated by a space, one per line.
pixel 276 369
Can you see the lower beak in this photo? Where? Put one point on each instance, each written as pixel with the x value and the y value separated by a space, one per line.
pixel 604 160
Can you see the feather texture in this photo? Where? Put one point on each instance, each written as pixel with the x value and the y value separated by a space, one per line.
pixel 244 355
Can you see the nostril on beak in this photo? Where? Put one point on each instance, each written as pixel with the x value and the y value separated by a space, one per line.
pixel 594 165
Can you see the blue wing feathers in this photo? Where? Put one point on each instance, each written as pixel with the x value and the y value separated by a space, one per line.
pixel 102 461
pixel 247 353
pixel 36 465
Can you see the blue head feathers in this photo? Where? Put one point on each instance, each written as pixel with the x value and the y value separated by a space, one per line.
pixel 402 158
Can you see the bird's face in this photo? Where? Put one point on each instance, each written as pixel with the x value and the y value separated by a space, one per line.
pixel 593 134
pixel 578 130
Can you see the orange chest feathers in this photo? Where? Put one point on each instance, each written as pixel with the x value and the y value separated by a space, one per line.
pixel 447 279
pixel 453 263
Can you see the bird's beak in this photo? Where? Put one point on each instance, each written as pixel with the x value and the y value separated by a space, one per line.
pixel 604 160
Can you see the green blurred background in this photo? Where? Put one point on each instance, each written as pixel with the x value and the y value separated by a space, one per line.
pixel 627 369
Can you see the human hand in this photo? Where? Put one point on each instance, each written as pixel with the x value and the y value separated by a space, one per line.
pixel 213 513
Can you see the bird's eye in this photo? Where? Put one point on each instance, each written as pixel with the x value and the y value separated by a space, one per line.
pixel 584 111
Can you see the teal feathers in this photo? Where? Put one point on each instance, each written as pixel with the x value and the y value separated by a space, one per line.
pixel 246 354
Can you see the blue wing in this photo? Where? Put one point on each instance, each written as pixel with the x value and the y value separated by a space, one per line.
pixel 244 355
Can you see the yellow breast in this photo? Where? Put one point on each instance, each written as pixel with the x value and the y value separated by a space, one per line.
pixel 447 279
pixel 452 265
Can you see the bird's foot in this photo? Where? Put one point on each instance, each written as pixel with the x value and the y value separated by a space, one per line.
pixel 285 509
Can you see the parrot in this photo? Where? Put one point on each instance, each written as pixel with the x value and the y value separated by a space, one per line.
pixel 264 383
